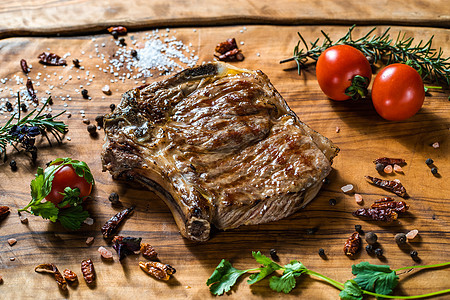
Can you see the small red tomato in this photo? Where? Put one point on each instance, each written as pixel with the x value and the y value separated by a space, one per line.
pixel 397 92
pixel 336 68
pixel 66 177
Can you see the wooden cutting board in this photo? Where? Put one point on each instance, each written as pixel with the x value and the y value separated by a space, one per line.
pixel 363 137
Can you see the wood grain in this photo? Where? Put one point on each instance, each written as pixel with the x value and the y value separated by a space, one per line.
pixel 363 137
pixel 35 17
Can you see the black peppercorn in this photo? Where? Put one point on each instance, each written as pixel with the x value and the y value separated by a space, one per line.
pixel 400 238
pixel 429 161
pixel 434 170
pixel 13 165
pixel 326 181
pixel 379 252
pixel 99 120
pixel 414 254
pixel 112 106
pixel 332 202
pixel 76 63
pixel 274 254
pixel 358 228
pixel 114 198
pixel 115 34
pixel 50 101
pixel 122 41
pixel 133 53
pixel 311 231
pixel 321 252
pixel 84 93
pixel 92 129
pixel 371 238
pixel 23 107
pixel 369 249
pixel 9 106
pixel 379 167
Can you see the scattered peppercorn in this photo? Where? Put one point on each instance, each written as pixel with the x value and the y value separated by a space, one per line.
pixel 332 202
pixel 133 53
pixel 13 165
pixel 379 252
pixel 326 180
pixel 434 170
pixel 371 238
pixel 274 255
pixel 379 167
pixel 429 161
pixel 369 249
pixel 114 198
pixel 84 93
pixel 23 107
pixel 115 34
pixel 99 120
pixel 414 254
pixel 112 106
pixel 311 231
pixel 9 106
pixel 400 238
pixel 92 129
pixel 76 63
pixel 358 228
pixel 321 252
pixel 122 41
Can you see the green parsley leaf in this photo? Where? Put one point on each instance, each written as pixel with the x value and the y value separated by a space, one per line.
pixel 223 277
pixel 375 278
pixel 269 267
pixel 287 282
pixel 351 291
pixel 46 210
pixel 71 197
pixel 72 217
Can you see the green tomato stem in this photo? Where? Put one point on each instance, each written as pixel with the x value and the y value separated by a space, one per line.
pixel 333 282
pixel 407 297
pixel 423 267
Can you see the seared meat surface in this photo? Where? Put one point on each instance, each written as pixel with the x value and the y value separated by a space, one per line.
pixel 219 145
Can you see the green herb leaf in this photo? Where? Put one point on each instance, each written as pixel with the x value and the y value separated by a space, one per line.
pixel 269 267
pixel 71 197
pixel 72 217
pixel 287 282
pixel 351 291
pixel 223 277
pixel 375 278
pixel 46 210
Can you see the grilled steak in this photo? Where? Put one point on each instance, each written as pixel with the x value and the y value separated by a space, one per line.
pixel 219 145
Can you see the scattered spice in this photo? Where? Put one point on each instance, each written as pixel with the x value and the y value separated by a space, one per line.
pixel 390 185
pixel 84 93
pixel 388 202
pixel 31 91
pixel 390 161
pixel 385 209
pixel 70 275
pixel 388 169
pixel 148 251
pixel 332 202
pixel 24 66
pixel 118 29
pixel 52 269
pixel 12 258
pixel 99 119
pixel 274 255
pixel 9 106
pixel 414 254
pixel 400 238
pixel 86 121
pixel 105 253
pixel 87 268
pixel 369 249
pixel 338 129
pixel 4 212
pixel 158 270
pixel 353 244
pixel 122 41
pixel 371 238
pixel 434 170
pixel 23 219
pixel 114 198
pixel 429 161
pixel 435 145
pixel 133 53
pixel 126 245
pixel 12 242
pixel 112 224
pixel 359 199
pixel 76 63
pixel 379 252
pixel 358 228
pixel 51 59
pixel 112 106
pixel 23 107
pixel 90 240
pixel 13 165
pixel 348 189
pixel 398 169
pixel 229 51
pixel 106 90
pixel 412 234
pixel 92 129
pixel 321 252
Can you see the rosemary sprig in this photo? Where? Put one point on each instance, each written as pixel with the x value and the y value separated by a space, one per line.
pixel 27 128
pixel 428 61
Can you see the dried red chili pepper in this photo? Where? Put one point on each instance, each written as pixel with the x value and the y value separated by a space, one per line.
pixel 52 269
pixel 24 66
pixel 353 244
pixel 148 251
pixel 377 214
pixel 226 46
pixel 390 161
pixel 390 185
pixel 112 224
pixel 126 245
pixel 70 275
pixel 158 270
pixel 4 211
pixel 87 268
pixel 119 29
pixel 51 59
pixel 31 91
pixel 234 54
pixel 397 206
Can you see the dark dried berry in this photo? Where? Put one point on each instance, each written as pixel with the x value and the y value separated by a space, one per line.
pixel 114 198
pixel 321 252
pixel 434 170
pixel 13 165
pixel 133 53
pixel 379 167
pixel 8 106
pixel 99 119
pixel 23 107
pixel 400 238
pixel 414 254
pixel 84 93
pixel 379 252
pixel 115 34
pixel 369 249
pixel 274 255
pixel 429 161
pixel 112 106
pixel 122 41
pixel 371 238
pixel 92 129
pixel 332 202
pixel 358 228
pixel 76 63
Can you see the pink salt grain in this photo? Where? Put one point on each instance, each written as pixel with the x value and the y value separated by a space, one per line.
pixel 338 129
pixel 435 145
pixel 359 199
pixel 398 169
pixel 105 253
pixel 388 169
pixel 89 240
pixel 412 234
pixel 12 241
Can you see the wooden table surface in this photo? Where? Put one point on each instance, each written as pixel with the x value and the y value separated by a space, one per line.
pixel 363 137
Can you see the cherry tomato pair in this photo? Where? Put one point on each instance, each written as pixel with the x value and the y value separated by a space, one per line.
pixel 343 72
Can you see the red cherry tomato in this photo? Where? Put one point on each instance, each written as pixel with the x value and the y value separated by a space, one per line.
pixel 397 92
pixel 66 177
pixel 336 68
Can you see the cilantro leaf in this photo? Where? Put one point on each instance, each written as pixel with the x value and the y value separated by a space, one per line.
pixel 223 277
pixel 71 197
pixel 72 217
pixel 351 291
pixel 375 278
pixel 46 210
pixel 269 267
pixel 287 282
